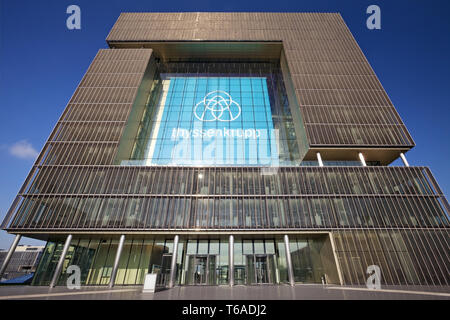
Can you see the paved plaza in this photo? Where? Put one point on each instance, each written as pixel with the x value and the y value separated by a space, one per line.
pixel 265 292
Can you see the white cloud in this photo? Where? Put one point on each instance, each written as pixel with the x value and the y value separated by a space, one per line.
pixel 23 149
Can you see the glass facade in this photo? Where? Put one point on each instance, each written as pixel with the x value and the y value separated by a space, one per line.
pixel 230 123
pixel 199 261
pixel 404 257
pixel 312 260
pixel 216 113
pixel 95 257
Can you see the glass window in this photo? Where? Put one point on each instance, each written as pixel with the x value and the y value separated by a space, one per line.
pixel 202 247
pixel 259 246
pixel 191 247
pixel 219 115
pixel 247 246
pixel 213 246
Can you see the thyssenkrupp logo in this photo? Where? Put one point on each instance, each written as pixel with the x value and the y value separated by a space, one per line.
pixel 217 106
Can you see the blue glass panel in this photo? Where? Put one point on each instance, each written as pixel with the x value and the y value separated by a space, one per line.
pixel 215 121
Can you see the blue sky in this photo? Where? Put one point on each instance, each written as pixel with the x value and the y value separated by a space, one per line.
pixel 41 63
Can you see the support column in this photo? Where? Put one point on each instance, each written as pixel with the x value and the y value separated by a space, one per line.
pixel 173 264
pixel 336 260
pixel 231 260
pixel 361 158
pixel 405 162
pixel 9 255
pixel 288 260
pixel 61 261
pixel 112 280
pixel 319 159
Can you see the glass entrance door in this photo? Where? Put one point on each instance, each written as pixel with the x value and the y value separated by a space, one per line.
pixel 164 274
pixel 201 270
pixel 260 269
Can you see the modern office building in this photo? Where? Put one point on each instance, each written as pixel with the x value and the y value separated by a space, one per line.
pixel 232 149
pixel 24 261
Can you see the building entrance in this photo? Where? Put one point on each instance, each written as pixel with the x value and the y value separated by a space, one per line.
pixel 260 269
pixel 164 271
pixel 201 270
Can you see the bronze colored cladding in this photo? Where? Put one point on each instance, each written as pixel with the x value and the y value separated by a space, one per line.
pixel 297 198
pixel 93 122
pixel 336 88
pixel 89 130
pixel 405 257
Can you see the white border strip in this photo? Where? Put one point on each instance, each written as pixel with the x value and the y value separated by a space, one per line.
pixel 43 295
pixel 443 294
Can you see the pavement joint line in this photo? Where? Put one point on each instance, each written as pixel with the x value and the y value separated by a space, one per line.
pixel 393 291
pixel 58 294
